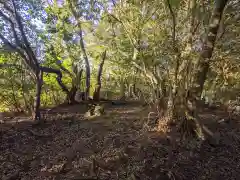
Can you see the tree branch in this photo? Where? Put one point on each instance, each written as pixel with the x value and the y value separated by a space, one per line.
pixel 26 42
pixel 59 76
pixel 125 29
pixel 59 63
pixel 173 23
pixel 5 6
pixel 12 27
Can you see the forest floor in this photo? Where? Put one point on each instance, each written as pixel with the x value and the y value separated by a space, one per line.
pixel 114 146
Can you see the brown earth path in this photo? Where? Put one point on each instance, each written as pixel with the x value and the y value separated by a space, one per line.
pixel 114 146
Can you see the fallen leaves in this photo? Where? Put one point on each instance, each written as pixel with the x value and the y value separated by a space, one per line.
pixel 113 146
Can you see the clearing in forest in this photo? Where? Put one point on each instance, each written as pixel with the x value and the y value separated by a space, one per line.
pixel 115 146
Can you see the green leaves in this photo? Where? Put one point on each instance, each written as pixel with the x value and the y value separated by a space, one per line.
pixel 174 3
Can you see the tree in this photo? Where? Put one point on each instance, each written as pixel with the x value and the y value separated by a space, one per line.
pixel 96 94
pixel 22 46
pixel 199 77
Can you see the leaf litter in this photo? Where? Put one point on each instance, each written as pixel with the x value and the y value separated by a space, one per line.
pixel 114 146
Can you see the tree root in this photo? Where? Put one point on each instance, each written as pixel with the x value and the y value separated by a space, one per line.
pixel 192 126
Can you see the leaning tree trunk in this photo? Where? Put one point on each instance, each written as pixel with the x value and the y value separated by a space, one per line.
pixel 87 66
pixel 96 94
pixel 200 75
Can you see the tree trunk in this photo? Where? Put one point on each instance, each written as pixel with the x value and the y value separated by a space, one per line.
pixel 122 90
pixel 87 66
pixel 71 95
pixel 134 91
pixel 39 79
pixel 96 95
pixel 200 75
pixel 15 101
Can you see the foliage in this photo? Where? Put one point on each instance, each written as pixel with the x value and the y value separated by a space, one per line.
pixel 154 50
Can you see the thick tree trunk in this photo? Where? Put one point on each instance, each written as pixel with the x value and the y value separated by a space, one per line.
pixel 200 75
pixel 96 95
pixel 39 82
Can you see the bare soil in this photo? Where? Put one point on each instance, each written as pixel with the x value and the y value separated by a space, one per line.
pixel 114 146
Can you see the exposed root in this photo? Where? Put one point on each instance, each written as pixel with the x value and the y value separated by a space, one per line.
pixel 187 127
pixel 191 126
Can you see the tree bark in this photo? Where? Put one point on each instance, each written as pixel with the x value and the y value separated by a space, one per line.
pixel 199 77
pixel 96 95
pixel 173 91
pixel 87 66
pixel 71 95
pixel 122 90
pixel 207 49
pixel 83 49
pixel 39 82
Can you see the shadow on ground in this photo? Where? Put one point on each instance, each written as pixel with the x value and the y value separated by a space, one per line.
pixel 114 146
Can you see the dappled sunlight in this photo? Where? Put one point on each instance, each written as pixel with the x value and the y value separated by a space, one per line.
pixel 119 90
pixel 108 147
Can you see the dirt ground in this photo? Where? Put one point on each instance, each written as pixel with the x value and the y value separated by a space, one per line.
pixel 115 146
